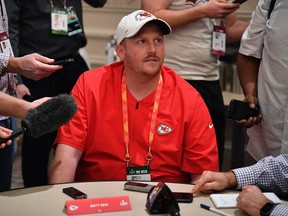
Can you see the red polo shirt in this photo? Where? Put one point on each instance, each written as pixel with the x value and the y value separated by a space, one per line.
pixel 184 141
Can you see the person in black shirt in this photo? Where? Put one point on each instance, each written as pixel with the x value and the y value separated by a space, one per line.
pixel 32 28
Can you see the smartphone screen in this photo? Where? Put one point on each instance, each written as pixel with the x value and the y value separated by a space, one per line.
pixel 183 197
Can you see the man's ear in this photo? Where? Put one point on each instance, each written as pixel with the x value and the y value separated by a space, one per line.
pixel 120 50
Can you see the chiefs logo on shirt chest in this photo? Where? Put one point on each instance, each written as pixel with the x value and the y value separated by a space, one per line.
pixel 164 129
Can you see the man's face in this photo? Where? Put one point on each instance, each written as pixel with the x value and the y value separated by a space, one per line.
pixel 144 53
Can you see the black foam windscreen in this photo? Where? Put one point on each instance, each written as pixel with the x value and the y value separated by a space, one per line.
pixel 49 116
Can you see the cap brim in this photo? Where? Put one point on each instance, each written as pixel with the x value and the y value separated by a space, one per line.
pixel 163 26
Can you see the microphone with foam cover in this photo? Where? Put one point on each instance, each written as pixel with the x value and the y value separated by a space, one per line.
pixel 46 117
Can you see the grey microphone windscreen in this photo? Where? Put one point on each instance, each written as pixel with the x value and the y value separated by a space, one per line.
pixel 49 116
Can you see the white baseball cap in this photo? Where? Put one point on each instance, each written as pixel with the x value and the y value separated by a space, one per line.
pixel 133 22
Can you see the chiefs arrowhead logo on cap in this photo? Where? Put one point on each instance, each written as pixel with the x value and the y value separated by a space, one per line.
pixel 143 15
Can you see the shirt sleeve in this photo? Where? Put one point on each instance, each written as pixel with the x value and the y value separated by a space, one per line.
pixel 200 141
pixel 269 174
pixel 253 37
pixel 4 59
pixel 74 133
pixel 279 210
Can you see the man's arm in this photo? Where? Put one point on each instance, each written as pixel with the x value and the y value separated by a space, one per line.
pixel 179 18
pixel 247 69
pixel 64 164
pixel 251 200
pixel 234 27
pixel 210 181
pixel 12 106
pixel 32 66
pixel 269 174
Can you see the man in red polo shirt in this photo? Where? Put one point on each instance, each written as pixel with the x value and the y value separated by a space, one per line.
pixel 134 118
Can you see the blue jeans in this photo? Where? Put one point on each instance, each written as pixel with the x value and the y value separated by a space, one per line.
pixel 7 157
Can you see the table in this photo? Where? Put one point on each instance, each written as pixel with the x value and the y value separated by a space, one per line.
pixel 49 200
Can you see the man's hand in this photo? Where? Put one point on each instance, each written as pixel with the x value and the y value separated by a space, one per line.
pixel 210 181
pixel 251 200
pixel 22 90
pixel 38 102
pixel 253 101
pixel 179 18
pixel 32 66
pixel 219 8
pixel 5 133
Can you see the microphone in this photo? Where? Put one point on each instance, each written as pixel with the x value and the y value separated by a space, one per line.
pixel 47 117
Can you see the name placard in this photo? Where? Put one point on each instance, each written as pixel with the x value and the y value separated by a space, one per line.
pixel 98 205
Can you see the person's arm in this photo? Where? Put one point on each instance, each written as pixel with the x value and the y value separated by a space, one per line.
pixel 234 27
pixel 247 69
pixel 179 18
pixel 32 66
pixel 12 106
pixel 269 174
pixel 210 181
pixel 64 164
pixel 251 200
pixel 279 209
pixel 250 51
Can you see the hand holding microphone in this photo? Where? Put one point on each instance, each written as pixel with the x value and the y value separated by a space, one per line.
pixel 46 117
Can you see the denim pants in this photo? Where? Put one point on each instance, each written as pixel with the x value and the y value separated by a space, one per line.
pixel 7 157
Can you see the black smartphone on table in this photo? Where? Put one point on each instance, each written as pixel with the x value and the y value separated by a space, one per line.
pixel 239 110
pixel 137 186
pixel 74 193
pixel 183 197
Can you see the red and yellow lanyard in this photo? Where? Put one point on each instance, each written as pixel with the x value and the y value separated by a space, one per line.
pixel 149 155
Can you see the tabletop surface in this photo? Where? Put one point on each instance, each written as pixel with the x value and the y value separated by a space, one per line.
pixel 50 200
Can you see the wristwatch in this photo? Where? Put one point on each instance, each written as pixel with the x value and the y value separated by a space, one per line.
pixel 267 209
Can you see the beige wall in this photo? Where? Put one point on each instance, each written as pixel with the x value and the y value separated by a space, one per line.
pixel 100 24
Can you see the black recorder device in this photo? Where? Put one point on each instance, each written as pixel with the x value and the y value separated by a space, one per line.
pixel 239 110
pixel 182 197
pixel 74 193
